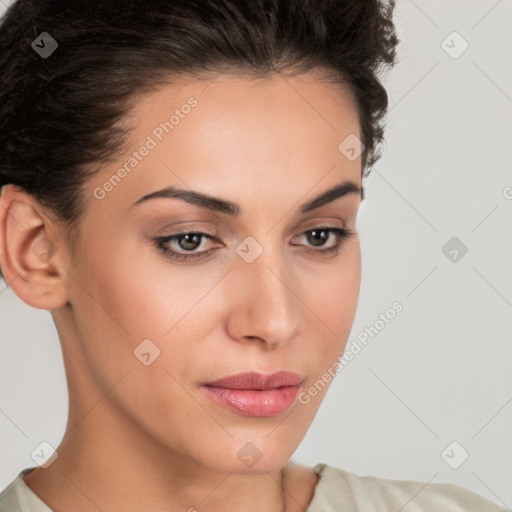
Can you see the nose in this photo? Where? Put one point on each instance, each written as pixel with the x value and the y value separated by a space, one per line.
pixel 265 303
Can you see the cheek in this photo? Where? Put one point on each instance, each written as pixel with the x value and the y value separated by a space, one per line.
pixel 333 292
pixel 133 289
pixel 137 299
pixel 332 297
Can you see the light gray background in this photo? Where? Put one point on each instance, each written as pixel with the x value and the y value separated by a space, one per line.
pixel 440 371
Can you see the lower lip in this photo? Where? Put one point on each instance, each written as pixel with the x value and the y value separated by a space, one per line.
pixel 252 402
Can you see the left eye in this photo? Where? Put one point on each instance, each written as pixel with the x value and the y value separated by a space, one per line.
pixel 189 242
pixel 318 237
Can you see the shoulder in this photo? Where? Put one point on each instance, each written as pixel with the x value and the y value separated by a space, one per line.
pixel 18 497
pixel 338 489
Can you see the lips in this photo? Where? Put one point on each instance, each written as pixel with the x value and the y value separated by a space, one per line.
pixel 260 381
pixel 255 394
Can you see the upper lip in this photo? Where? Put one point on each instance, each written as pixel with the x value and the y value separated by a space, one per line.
pixel 257 381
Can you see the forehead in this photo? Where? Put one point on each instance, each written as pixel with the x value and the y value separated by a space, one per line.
pixel 275 98
pixel 278 135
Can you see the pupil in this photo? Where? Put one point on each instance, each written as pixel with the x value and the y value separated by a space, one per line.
pixel 190 241
pixel 319 236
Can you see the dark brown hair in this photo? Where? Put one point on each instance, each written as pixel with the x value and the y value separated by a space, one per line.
pixel 60 115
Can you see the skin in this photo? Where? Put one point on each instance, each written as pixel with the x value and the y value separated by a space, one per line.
pixel 147 437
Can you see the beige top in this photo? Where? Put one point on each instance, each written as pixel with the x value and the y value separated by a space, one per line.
pixel 337 490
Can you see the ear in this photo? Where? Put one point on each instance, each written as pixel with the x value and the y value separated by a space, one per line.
pixel 30 255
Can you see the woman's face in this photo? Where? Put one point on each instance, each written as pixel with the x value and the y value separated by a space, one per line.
pixel 146 331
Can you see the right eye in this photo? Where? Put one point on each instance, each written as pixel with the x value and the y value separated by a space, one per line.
pixel 186 243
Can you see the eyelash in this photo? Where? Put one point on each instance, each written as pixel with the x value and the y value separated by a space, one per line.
pixel 161 241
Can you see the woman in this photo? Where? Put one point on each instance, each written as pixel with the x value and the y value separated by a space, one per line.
pixel 182 181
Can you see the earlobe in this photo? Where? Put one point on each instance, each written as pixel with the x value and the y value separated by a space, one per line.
pixel 28 254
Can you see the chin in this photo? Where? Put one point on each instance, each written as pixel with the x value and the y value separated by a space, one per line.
pixel 252 455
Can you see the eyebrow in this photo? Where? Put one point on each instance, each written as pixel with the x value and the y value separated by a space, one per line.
pixel 231 208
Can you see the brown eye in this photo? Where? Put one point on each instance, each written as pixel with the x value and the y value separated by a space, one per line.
pixel 319 236
pixel 185 245
pixel 189 241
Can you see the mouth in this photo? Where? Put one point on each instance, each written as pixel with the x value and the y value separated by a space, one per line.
pixel 255 394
